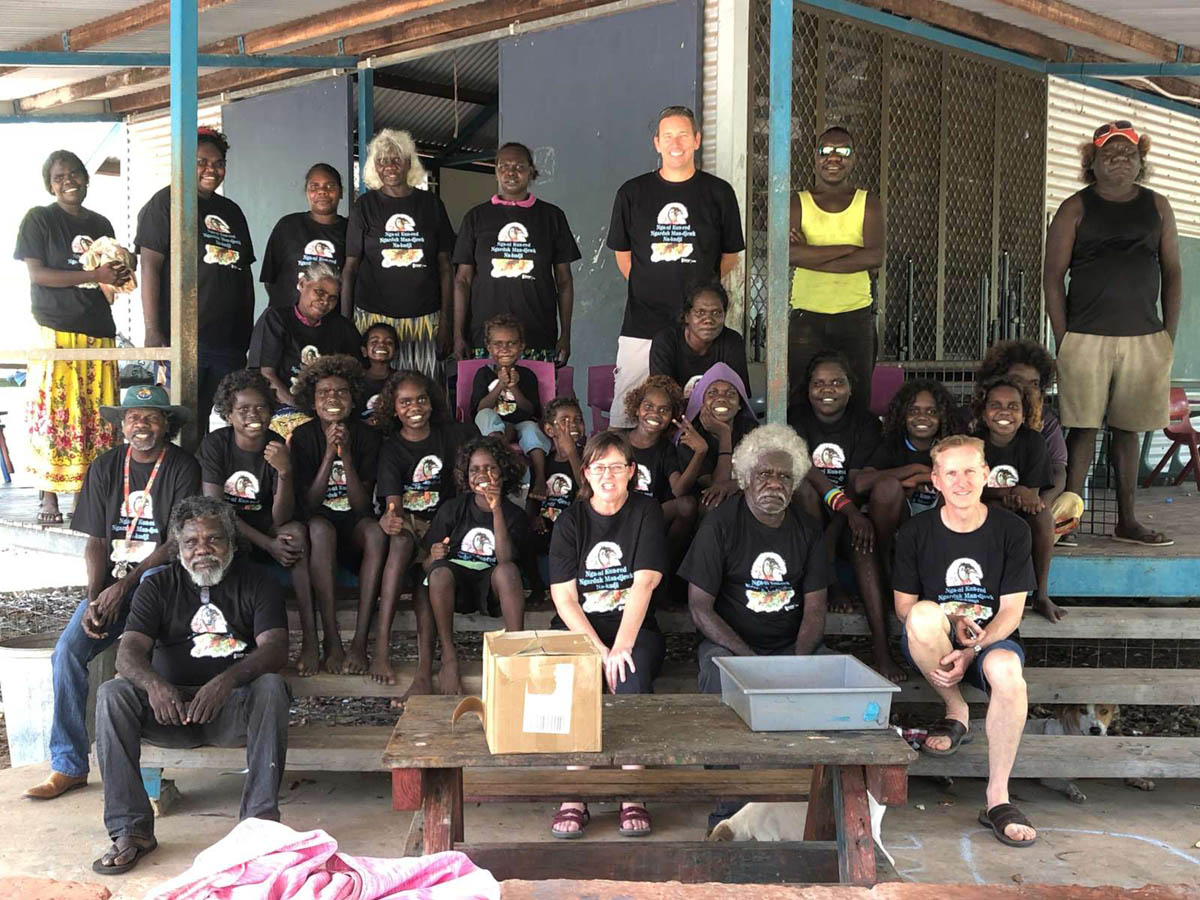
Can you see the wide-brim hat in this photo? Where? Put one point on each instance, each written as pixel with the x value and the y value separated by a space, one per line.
pixel 146 396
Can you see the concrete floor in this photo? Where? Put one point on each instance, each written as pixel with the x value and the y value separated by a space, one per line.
pixel 1119 837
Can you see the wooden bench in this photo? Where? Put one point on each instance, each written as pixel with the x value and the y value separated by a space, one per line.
pixel 428 759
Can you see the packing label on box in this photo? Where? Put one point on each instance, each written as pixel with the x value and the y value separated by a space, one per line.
pixel 550 713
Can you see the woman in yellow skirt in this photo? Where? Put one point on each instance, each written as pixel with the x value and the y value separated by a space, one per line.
pixel 72 312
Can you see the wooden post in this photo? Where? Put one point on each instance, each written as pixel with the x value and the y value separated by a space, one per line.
pixel 856 845
pixel 441 806
pixel 888 784
pixel 406 789
pixel 819 825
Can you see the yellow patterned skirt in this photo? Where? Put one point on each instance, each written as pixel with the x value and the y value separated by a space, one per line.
pixel 62 412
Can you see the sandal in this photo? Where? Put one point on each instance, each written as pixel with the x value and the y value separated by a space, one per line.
pixel 951 728
pixel 580 817
pixel 45 518
pixel 633 813
pixel 1149 538
pixel 100 868
pixel 999 817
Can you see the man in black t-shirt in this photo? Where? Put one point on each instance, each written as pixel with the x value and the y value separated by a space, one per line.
pixel 961 575
pixel 124 509
pixel 756 570
pixel 670 228
pixel 198 664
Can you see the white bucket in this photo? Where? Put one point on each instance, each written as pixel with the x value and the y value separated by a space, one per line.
pixel 28 692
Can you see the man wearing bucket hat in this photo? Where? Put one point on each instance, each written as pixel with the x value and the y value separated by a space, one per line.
pixel 123 508
pixel 1119 243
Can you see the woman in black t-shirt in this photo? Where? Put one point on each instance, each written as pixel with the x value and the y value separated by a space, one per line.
pixel 719 411
pixel 687 350
pixel 398 245
pixel 606 558
pixel 514 255
pixel 71 308
pixel 1008 416
pixel 302 238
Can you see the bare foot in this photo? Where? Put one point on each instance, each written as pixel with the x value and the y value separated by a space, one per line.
pixel 306 665
pixel 1139 533
pixel 448 681
pixel 1048 608
pixel 839 600
pixel 334 657
pixel 381 669
pixel 356 661
pixel 422 684
pixel 887 667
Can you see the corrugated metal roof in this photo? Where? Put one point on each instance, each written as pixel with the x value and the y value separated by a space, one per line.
pixel 477 66
pixel 22 22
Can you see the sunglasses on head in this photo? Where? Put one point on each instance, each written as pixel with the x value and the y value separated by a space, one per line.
pixel 827 150
pixel 1121 128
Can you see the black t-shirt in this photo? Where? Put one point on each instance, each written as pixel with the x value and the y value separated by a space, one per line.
pixel 676 232
pixel 421 473
pixel 1024 461
pixel 506 407
pixel 655 466
pixel 841 447
pixel 469 528
pixel 514 250
pixel 282 342
pixel 296 242
pixel 758 574
pixel 308 449
pixel 560 489
pixel 601 553
pixel 742 426
pixel 58 239
pixel 195 640
pixel 397 241
pixel 670 355
pixel 224 281
pixel 101 509
pixel 895 451
pixel 371 389
pixel 966 573
pixel 248 482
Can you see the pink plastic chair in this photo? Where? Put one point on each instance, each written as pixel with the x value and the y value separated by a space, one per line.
pixel 1180 433
pixel 885 382
pixel 601 385
pixel 466 378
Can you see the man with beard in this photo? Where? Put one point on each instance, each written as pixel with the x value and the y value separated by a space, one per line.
pixel 124 507
pixel 198 664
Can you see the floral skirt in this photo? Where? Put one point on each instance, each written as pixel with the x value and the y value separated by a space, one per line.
pixel 63 412
pixel 418 339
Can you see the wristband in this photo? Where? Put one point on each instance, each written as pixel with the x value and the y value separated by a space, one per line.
pixel 725 453
pixel 833 496
pixel 841 502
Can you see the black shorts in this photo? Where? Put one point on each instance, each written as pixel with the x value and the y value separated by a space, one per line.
pixel 472 588
pixel 348 554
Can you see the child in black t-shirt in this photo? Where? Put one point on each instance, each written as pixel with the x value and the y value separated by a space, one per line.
pixel 656 406
pixel 896 478
pixel 563 424
pixel 504 397
pixel 1008 416
pixel 379 345
pixel 474 543
pixel 335 457
pixel 416 478
pixel 841 436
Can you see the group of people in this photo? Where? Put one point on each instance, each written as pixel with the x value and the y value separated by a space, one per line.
pixel 341 451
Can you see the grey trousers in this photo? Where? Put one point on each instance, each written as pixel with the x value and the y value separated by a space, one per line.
pixel 255 715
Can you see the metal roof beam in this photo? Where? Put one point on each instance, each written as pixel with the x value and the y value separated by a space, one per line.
pixel 392 82
pixel 30 59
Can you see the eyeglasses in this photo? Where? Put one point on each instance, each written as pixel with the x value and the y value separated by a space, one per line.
pixel 827 150
pixel 610 469
pixel 1120 128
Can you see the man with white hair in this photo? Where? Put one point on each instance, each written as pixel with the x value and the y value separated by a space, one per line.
pixel 198 664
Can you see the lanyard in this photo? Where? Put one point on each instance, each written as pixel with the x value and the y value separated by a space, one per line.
pixel 133 523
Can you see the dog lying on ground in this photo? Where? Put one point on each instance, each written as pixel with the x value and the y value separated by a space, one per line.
pixel 784 822
pixel 1092 719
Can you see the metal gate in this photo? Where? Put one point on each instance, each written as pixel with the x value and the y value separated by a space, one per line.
pixel 954 144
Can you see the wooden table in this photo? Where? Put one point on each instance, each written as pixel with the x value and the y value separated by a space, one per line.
pixel 427 757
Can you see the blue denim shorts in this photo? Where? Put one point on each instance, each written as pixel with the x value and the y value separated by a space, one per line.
pixel 974 675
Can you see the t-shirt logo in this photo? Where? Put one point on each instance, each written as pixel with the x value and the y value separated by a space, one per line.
pixel 506 404
pixel 319 249
pixel 829 456
pixel 210 635
pixel 673 236
pixel 241 490
pixel 964 590
pixel 643 479
pixel 691 386
pixel 145 536
pixel 336 496
pixel 511 252
pixel 220 243
pixel 139 504
pixel 309 355
pixel 80 244
pixel 608 574
pixel 768 591
pixel 479 543
pixel 422 494
pixel 400 222
pixel 217 224
pixel 404 243
pixel 1003 476
pixel 559 488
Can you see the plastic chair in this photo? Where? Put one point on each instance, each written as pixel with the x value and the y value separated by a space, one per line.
pixel 466 379
pixel 885 382
pixel 601 385
pixel 565 382
pixel 6 466
pixel 1179 431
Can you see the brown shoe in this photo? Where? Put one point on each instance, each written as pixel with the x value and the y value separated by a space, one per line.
pixel 57 783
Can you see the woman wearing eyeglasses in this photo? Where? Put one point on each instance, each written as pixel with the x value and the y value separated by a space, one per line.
pixel 607 555
pixel 514 255
pixel 836 244
pixel 686 350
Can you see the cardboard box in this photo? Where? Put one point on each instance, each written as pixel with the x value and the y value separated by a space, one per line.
pixel 541 693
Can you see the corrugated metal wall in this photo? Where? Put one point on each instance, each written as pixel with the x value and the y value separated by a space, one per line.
pixel 1074 112
pixel 708 86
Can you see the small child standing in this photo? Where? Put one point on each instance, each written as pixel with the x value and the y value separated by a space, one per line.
pixel 504 398
pixel 379 351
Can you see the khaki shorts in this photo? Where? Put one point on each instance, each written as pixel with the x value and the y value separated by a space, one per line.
pixel 1124 380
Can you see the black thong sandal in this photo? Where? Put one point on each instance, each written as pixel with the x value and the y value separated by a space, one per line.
pixel 100 869
pixel 999 817
pixel 631 814
pixel 951 728
pixel 580 817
